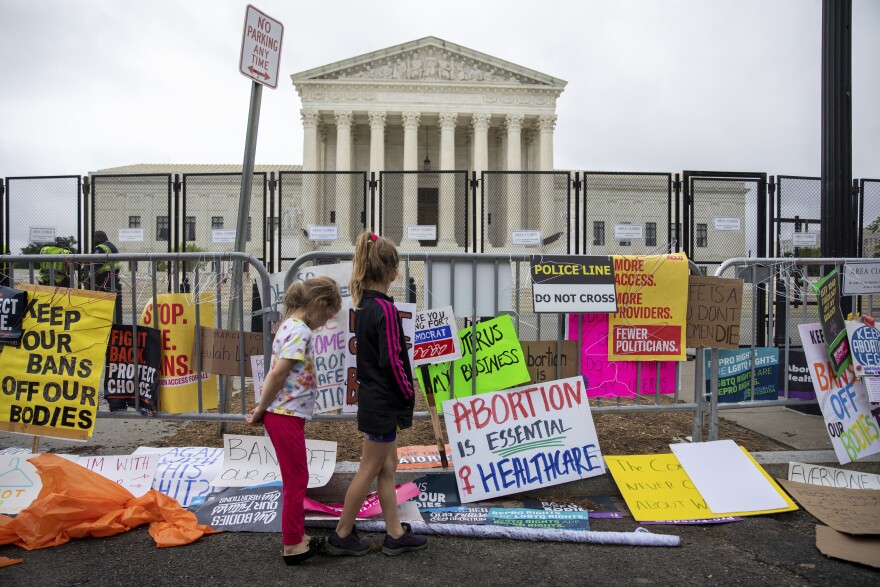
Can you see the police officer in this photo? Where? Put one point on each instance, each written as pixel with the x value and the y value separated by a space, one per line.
pixel 107 274
pixel 59 270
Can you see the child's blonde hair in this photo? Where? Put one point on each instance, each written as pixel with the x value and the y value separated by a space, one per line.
pixel 318 295
pixel 375 262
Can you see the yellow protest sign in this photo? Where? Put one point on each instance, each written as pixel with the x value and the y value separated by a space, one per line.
pixel 175 317
pixel 651 308
pixel 657 489
pixel 50 382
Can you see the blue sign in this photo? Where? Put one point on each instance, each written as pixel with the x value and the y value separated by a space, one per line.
pixel 735 374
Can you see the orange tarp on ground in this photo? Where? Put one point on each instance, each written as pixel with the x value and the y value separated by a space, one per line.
pixel 76 502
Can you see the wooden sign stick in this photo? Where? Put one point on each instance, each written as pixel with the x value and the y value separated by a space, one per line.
pixel 435 418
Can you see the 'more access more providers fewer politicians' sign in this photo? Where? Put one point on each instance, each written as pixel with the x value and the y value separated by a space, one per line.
pixel 562 283
pixel 522 438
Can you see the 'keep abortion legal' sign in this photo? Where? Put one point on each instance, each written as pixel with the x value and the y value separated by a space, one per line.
pixel 521 439
pixel 563 283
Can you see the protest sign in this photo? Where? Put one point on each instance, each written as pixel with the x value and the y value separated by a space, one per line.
pixel 330 350
pixel 248 509
pixel 846 510
pixel 618 379
pixel 544 359
pixel 649 324
pixel 436 338
pixel 524 438
pixel 407 314
pixel 467 515
pixel 566 283
pixel 134 472
pixel 50 382
pixel 258 372
pixel 833 326
pixel 735 374
pixel 864 550
pixel 371 505
pixel 185 473
pixel 175 317
pixel 800 383
pixel 600 506
pixel 713 312
pixel 499 359
pixel 843 400
pixel 419 457
pixel 119 378
pixel 12 306
pixel 831 477
pixel 542 519
pixel 221 352
pixel 437 490
pixel 864 344
pixel 872 385
pixel 20 483
pixel 251 460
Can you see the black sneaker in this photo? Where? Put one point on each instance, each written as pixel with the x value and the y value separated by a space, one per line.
pixel 351 545
pixel 406 543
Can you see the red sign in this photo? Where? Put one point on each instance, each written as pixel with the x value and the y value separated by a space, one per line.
pixel 261 47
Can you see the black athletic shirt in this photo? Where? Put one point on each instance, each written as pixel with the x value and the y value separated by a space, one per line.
pixel 385 387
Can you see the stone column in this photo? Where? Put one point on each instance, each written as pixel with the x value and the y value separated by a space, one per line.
pixel 410 181
pixel 377 156
pixel 343 205
pixel 446 206
pixel 514 181
pixel 480 122
pixel 310 203
pixel 546 124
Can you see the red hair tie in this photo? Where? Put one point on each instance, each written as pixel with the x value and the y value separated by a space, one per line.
pixel 374 237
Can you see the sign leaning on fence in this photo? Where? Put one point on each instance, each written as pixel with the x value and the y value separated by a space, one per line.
pixel 864 342
pixel 861 278
pixel 119 380
pixel 12 305
pixel 521 439
pixel 563 283
pixel 833 326
pixel 436 337
pixel 713 312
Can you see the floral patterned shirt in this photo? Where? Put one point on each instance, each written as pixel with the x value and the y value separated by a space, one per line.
pixel 297 398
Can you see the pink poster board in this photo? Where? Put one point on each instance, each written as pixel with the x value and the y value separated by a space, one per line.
pixel 617 379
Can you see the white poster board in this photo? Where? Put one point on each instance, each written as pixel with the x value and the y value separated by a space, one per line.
pixel 134 472
pixel 832 477
pixel 436 337
pixel 258 371
pixel 492 459
pixel 185 472
pixel 462 299
pixel 251 460
pixel 20 483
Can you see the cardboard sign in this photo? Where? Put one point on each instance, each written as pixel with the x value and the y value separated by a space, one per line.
pixel 221 350
pixel 407 314
pixel 831 477
pixel 864 550
pixel 524 438
pixel 864 344
pixel 20 483
pixel 565 283
pixel 846 510
pixel 420 457
pixel 437 490
pixel 436 338
pixel 618 379
pixel 652 308
pixel 119 376
pixel 499 358
pixel 134 472
pixel 833 326
pixel 12 305
pixel 713 312
pixel 175 316
pixel 735 374
pixel 50 382
pixel 542 359
pixel 843 400
pixel 185 473
pixel 251 460
pixel 249 509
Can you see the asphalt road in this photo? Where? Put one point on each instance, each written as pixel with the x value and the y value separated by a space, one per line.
pixel 774 550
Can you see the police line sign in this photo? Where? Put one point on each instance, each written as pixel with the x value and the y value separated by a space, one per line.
pixel 567 283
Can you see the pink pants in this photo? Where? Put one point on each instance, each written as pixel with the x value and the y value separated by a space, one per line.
pixel 289 439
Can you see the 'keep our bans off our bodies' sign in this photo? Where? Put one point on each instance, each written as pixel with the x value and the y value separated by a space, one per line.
pixel 523 438
pixel 563 283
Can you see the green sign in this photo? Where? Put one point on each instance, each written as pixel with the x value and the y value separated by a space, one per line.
pixel 827 292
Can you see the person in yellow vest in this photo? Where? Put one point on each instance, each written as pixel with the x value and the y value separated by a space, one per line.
pixel 55 273
pixel 107 274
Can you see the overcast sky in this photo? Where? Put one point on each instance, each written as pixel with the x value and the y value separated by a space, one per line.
pixel 657 85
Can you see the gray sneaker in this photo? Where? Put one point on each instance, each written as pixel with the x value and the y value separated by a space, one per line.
pixel 351 545
pixel 406 543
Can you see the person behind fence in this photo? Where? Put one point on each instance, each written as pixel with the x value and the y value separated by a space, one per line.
pixel 385 398
pixel 288 400
pixel 107 274
pixel 55 273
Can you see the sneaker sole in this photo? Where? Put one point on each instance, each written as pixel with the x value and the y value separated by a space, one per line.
pixel 396 551
pixel 334 551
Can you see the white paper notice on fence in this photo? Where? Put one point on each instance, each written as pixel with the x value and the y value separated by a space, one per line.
pixel 861 278
pixel 221 236
pixel 726 478
pixel 492 459
pixel 628 231
pixel 185 472
pixel 323 233
pixel 467 282
pixel 872 385
pixel 422 232
pixel 526 238
pixel 831 477
pixel 131 235
pixel 804 239
pixel 134 472
pixel 251 460
pixel 843 401
pixel 729 224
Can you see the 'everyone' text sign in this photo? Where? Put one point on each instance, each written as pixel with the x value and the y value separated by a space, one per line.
pixel 261 47
pixel 523 438
pixel 436 337
pixel 563 283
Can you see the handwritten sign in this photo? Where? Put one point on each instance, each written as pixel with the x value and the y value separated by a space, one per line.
pixel 842 399
pixel 221 350
pixel 652 308
pixel 713 312
pixel 258 372
pixel 543 358
pixel 120 372
pixel 735 374
pixel 330 350
pixel 524 438
pixel 864 343
pixel 618 379
pixel 12 305
pixel 248 509
pixel 134 472
pixel 50 382
pixel 20 483
pixel 436 339
pixel 846 510
pixel 831 477
pixel 500 362
pixel 827 292
pixel 185 473
pixel 565 283
pixel 251 460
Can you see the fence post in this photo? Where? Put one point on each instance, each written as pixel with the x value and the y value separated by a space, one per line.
pixel 577 213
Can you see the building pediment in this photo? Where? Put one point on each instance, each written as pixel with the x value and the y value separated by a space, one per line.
pixel 430 61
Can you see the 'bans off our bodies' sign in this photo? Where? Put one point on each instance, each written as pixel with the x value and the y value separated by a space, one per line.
pixel 564 283
pixel 522 438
